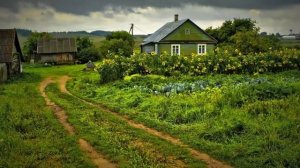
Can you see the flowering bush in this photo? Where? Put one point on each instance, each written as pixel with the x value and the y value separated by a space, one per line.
pixel 221 62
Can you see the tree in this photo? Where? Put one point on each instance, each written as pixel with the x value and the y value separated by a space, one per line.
pixel 30 45
pixel 230 28
pixel 119 42
pixel 86 50
pixel 243 34
pixel 88 54
pixel 251 41
pixel 83 43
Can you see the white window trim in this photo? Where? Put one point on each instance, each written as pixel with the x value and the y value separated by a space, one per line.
pixel 198 46
pixel 155 48
pixel 173 45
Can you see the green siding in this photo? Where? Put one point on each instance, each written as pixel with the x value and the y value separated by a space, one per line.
pixel 185 49
pixel 179 34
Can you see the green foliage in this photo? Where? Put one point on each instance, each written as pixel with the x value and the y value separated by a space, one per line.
pixel 119 42
pixel 86 50
pixel 83 43
pixel 30 135
pixel 220 62
pixel 88 54
pixel 30 46
pixel 230 28
pixel 121 35
pixel 251 42
pixel 128 146
pixel 243 34
pixel 247 120
pixel 110 70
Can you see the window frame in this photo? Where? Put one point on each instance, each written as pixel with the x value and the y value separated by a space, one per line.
pixel 187 31
pixel 175 45
pixel 198 49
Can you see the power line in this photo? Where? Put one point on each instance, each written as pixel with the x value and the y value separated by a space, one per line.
pixel 140 30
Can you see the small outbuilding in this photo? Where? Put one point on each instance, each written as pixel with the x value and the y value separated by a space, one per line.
pixel 11 57
pixel 180 37
pixel 57 50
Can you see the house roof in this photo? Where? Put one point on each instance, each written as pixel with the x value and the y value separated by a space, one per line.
pixel 56 45
pixel 9 38
pixel 167 29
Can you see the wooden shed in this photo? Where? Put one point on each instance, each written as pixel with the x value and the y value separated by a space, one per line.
pixel 10 54
pixel 57 50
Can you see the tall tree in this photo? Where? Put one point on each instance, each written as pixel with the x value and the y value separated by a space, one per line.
pixel 230 28
pixel 118 42
pixel 83 43
pixel 86 50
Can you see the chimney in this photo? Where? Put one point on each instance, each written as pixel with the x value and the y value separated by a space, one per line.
pixel 176 17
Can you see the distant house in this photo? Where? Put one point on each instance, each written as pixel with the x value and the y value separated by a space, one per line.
pixel 10 54
pixel 57 50
pixel 291 37
pixel 180 37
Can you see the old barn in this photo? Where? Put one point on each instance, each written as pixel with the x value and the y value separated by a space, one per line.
pixel 10 54
pixel 57 50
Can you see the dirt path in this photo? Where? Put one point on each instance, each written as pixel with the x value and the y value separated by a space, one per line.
pixel 97 158
pixel 211 162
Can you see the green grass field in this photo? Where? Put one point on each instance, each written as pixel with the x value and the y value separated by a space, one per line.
pixel 30 135
pixel 290 43
pixel 244 120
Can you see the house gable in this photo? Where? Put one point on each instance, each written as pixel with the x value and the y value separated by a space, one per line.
pixel 9 44
pixel 188 32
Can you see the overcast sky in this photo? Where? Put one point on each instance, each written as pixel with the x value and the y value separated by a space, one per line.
pixel 147 15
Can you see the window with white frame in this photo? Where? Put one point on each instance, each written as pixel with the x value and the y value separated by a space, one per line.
pixel 201 49
pixel 175 49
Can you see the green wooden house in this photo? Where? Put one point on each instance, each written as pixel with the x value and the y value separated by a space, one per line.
pixel 180 37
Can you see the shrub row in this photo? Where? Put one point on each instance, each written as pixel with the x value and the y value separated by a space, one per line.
pixel 221 62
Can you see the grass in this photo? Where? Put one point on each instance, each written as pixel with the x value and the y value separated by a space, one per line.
pixel 30 136
pixel 248 121
pixel 129 147
pixel 290 43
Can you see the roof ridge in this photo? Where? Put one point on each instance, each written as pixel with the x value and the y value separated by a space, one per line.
pixel 165 30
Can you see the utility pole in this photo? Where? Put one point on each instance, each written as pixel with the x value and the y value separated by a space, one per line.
pixel 131 29
pixel 131 32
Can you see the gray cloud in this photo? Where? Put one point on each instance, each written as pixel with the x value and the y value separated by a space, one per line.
pixel 85 7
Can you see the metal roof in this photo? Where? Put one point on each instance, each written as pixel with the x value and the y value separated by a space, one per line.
pixel 168 28
pixel 164 31
pixel 57 45
pixel 8 38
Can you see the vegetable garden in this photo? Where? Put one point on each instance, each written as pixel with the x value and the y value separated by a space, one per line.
pixel 247 120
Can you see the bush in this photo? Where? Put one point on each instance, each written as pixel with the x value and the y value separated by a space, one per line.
pixel 110 70
pixel 220 62
pixel 90 53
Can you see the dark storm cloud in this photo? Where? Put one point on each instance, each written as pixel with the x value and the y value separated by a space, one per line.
pixel 84 7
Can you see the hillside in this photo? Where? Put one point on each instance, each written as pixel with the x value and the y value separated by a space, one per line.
pixel 96 36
